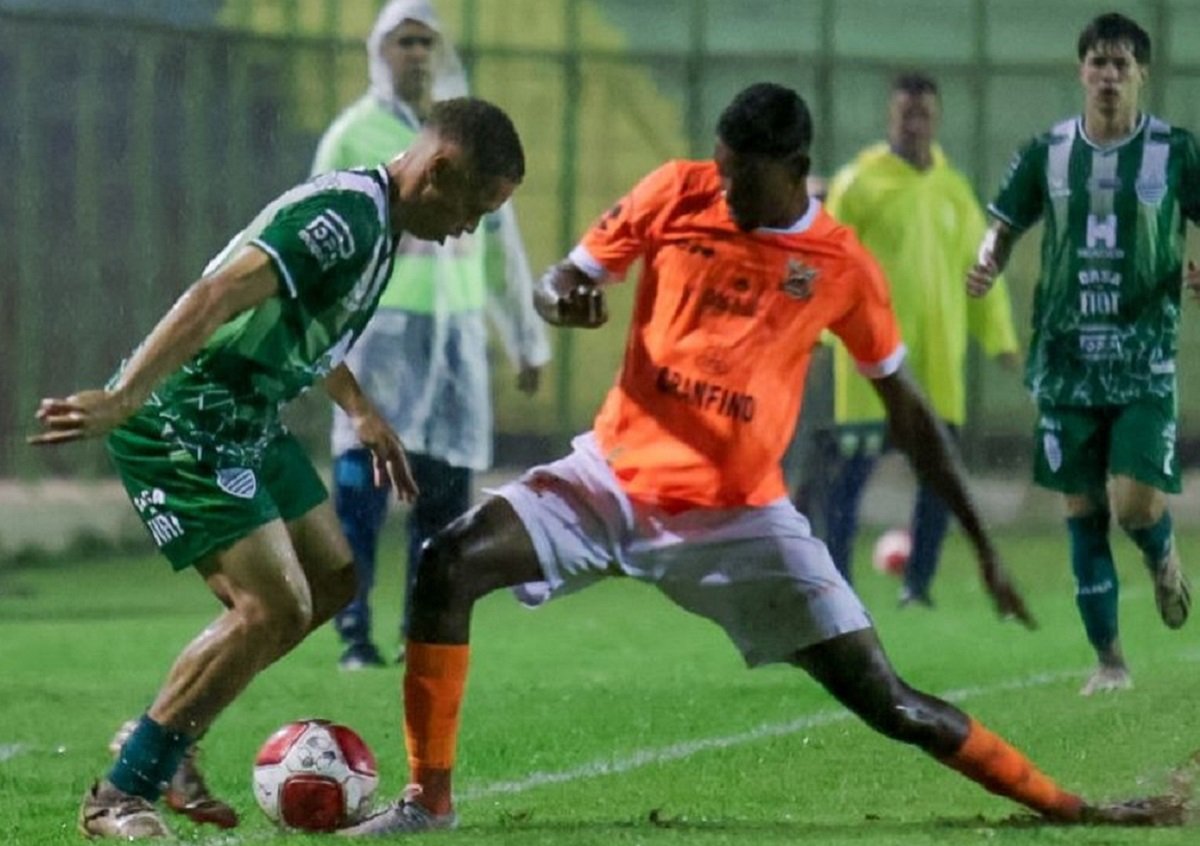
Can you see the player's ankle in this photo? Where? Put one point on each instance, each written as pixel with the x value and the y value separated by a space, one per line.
pixel 435 794
pixel 1069 808
pixel 1111 658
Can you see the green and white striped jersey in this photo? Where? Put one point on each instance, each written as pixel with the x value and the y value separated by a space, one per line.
pixel 331 243
pixel 1106 306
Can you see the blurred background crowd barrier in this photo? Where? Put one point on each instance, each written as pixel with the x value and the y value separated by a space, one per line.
pixel 137 137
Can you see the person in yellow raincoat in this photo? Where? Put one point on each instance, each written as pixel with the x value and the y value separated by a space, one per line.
pixel 921 219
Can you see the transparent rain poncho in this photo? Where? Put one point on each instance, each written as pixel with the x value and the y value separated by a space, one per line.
pixel 423 358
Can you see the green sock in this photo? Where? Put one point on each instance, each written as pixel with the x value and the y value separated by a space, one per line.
pixel 1154 541
pixel 148 759
pixel 1095 578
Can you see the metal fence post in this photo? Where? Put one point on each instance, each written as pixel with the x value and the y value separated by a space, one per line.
pixel 567 192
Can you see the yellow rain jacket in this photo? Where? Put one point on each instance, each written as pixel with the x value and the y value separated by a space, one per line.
pixel 924 227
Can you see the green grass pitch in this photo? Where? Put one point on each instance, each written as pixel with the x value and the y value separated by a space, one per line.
pixel 613 717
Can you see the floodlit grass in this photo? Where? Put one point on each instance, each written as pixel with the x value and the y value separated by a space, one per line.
pixel 613 717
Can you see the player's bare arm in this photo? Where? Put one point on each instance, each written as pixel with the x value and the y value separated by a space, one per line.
pixel 244 283
pixel 917 432
pixel 374 432
pixel 566 296
pixel 994 252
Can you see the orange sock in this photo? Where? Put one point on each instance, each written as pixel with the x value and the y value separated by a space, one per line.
pixel 435 676
pixel 989 760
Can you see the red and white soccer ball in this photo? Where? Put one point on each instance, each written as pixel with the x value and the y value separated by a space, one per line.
pixel 891 551
pixel 315 775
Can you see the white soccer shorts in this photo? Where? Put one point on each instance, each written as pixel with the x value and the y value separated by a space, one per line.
pixel 757 572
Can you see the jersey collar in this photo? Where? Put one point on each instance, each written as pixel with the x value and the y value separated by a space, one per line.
pixel 801 225
pixel 1113 145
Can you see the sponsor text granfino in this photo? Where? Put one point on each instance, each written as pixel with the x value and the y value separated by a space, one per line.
pixel 705 395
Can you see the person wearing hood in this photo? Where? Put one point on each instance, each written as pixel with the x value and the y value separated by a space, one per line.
pixel 423 358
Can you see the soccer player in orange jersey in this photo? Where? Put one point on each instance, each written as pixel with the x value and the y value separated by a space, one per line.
pixel 679 484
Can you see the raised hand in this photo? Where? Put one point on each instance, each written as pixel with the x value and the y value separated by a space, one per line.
pixel 566 296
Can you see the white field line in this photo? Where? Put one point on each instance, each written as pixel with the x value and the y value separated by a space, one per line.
pixel 678 751
pixel 646 757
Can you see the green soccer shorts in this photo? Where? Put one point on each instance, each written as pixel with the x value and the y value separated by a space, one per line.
pixel 192 509
pixel 1077 448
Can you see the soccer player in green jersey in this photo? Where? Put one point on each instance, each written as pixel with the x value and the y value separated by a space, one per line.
pixel 192 419
pixel 1113 188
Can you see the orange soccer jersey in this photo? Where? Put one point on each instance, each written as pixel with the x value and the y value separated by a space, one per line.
pixel 721 335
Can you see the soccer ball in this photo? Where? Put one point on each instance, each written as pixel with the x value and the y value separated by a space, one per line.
pixel 891 551
pixel 315 775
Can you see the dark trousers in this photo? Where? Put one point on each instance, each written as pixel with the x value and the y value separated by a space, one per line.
pixel 361 508
pixel 855 451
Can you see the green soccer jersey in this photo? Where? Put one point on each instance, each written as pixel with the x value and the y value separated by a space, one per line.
pixel 1106 306
pixel 331 243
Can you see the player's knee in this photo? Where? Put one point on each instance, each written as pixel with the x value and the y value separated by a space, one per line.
pixel 1137 514
pixel 281 620
pixel 445 575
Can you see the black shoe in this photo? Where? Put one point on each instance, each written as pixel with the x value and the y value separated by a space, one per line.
pixel 359 656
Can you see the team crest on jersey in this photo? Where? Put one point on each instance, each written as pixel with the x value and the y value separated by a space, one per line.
pixel 1150 191
pixel 328 238
pixel 1052 450
pixel 798 284
pixel 238 481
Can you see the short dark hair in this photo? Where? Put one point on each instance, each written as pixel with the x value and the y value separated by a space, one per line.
pixel 1115 28
pixel 485 133
pixel 766 120
pixel 915 83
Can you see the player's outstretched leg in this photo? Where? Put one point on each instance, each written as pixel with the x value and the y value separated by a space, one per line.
pixel 269 609
pixel 854 668
pixel 485 549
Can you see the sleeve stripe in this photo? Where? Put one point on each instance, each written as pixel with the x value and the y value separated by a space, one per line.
pixel 278 261
pixel 886 366
pixel 996 213
pixel 585 261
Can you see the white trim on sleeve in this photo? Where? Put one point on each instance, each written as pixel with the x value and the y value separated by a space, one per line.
pixel 585 261
pixel 1001 216
pixel 278 261
pixel 886 366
